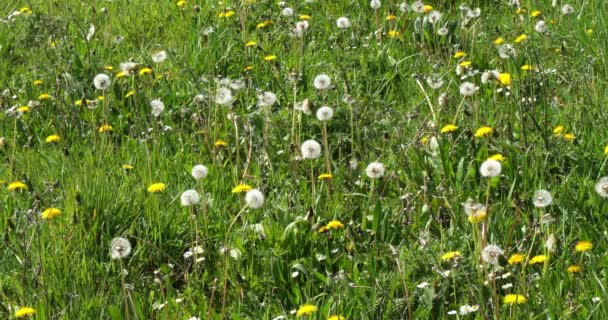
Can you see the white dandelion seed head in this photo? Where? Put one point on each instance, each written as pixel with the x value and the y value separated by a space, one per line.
pixel 474 13
pixel 404 7
pixel 199 171
pixel 467 89
pixel 322 81
pixel 287 12
pixel 443 31
pixel 491 253
pixel 304 106
pixel 223 96
pixel 418 6
pixel 550 243
pixel 237 84
pixel 434 16
pixel 102 81
pixel 490 168
pixel 325 113
pixel 488 76
pixel 343 23
pixel 567 9
pixel 128 67
pixel 311 149
pixel 189 198
pixel 506 51
pixel 120 248
pixel 541 27
pixel 159 57
pixel 442 99
pixel 266 99
pixel 471 207
pixel 157 107
pixel 375 170
pixel 542 198
pixel 434 81
pixel 601 187
pixel 375 4
pixel 254 198
pixel 466 309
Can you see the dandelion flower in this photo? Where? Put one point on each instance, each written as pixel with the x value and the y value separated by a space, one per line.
pixel 220 143
pixel 254 198
pixel 120 248
pixel 450 255
pixel 498 157
pixel 336 317
pixel 606 150
pixel 102 81
pixel 504 79
pixel 50 213
pixel 459 54
pixel 311 149
pixel 53 138
pixel 427 8
pixel 45 96
pixel 468 89
pixel 17 185
pixel 189 198
pixel 478 216
pixel 343 23
pixel 159 57
pixel 515 258
pixel 375 170
pixel 325 176
pixel 182 3
pixel 322 82
pixel 266 99
pixel 574 269
pixel 127 167
pixel 157 187
pixel 449 128
pixel 601 187
pixel 498 41
pixel 512 299
pixel 325 113
pixel 157 107
pixel 569 137
pixel 491 253
pixel 105 128
pixel 24 312
pixel 490 168
pixel 334 224
pixel 271 57
pixel 520 38
pixel 241 188
pixel 583 246
pixel 483 132
pixel 539 259
pixel 393 33
pixel 145 71
pixel 199 171
pixel 542 198
pixel 306 309
pixel 305 17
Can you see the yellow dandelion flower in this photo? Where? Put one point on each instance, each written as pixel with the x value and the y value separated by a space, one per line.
pixel 251 44
pixel 334 224
pixel 336 317
pixel 583 246
pixel 105 128
pixel 220 144
pixel 108 68
pixel 574 269
pixel 264 24
pixel 450 255
pixel 483 132
pixel 100 98
pixel 459 54
pixel 23 109
pixel 25 10
pixel 127 167
pixel 130 93
pixel 535 13
pixel 53 138
pixel 427 8
pixel 157 187
pixel 37 82
pixel 323 229
pixel 589 32
pixel 569 137
pixel 606 150
pixel 448 128
pixel 520 11
pixel 17 185
pixel 515 258
pixel 557 131
pixel 498 40
pixel 44 96
pixel 305 17
pixel 325 176
pixel 466 64
pixel 306 310
pixel 182 3
pixel 390 17
pixel 227 14
pixel 120 75
pixel 498 157
pixel 25 312
pixel 50 213
pixel 504 79
pixel 145 71
pixel 242 187
pixel 248 68
pixel 520 38
pixel 526 67
pixel 512 299
pixel 424 140
pixel 539 259
pixel 477 216
pixel 393 34
pixel 271 57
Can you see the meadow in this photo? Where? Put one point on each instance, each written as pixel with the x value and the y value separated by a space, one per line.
pixel 312 159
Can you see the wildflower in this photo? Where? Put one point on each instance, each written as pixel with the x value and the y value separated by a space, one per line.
pixel 37 82
pixel 512 299
pixel 498 157
pixel 427 8
pixel 23 109
pixel 567 9
pixel 102 81
pixel 467 89
pixel 105 128
pixel 539 259
pixel 241 188
pixel 159 57
pixel 569 137
pixel 226 14
pixel 25 312
pixel 393 34
pixel 498 41
pixel 540 27
pixel 157 107
pixel 520 38
pixel 17 185
pixel 466 64
pixel 459 54
pixel 391 17
pixel 477 216
pixel 466 309
pixel 223 96
pixel 287 12
pixel 504 79
pixel 490 168
pixel 483 132
pixel 251 44
pixel 336 317
pixel 520 10
pixel 264 24
pixel 127 167
pixel 589 32
pixel 535 13
pixel 311 149
pixel 574 269
pixel 25 10
pixel 375 170
pixel 334 224
pixel 220 144
pixel 526 67
pixel 601 187
pixel 583 246
pixel 343 23
pixel 325 176
pixel 189 198
pixel 45 96
pixel 448 128
pixel 375 4
pixel 542 198
pixel 325 113
pixel 434 17
pixel 305 17
pixel 53 138
pixel 157 187
pixel 50 213
pixel 182 3
pixel 266 99
pixel 490 254
pixel 120 248
pixel 557 131
pixel 515 258
pixel 450 255
pixel 322 82
pixel 199 171
pixel 145 71
pixel 254 198
pixel 306 310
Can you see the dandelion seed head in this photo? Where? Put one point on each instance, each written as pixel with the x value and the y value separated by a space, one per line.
pixel 266 99
pixel 199 171
pixel 542 198
pixel 601 187
pixel 159 57
pixel 343 23
pixel 102 81
pixel 157 107
pixel 311 149
pixel 189 198
pixel 375 170
pixel 490 168
pixel 120 248
pixel 322 82
pixel 325 113
pixel 468 89
pixel 254 198
pixel 491 253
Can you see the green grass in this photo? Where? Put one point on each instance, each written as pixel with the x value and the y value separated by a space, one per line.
pixel 273 260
